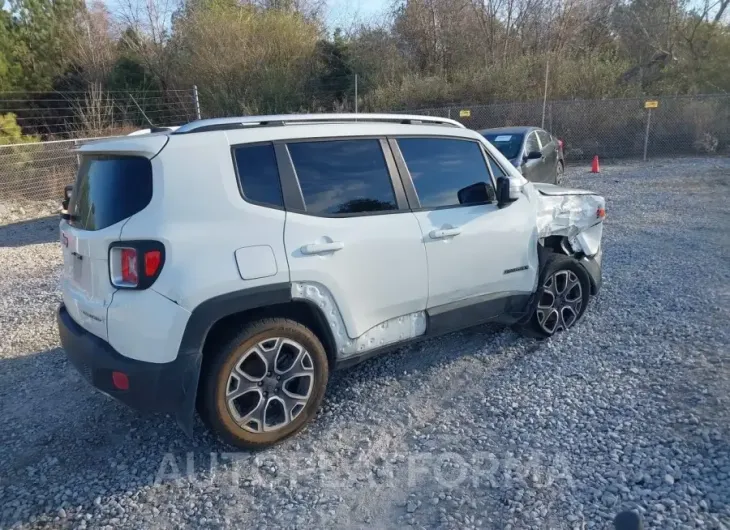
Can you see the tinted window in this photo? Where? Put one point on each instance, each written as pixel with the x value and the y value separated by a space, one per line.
pixel 441 167
pixel 508 144
pixel 544 138
pixel 532 144
pixel 343 176
pixel 259 174
pixel 497 170
pixel 109 189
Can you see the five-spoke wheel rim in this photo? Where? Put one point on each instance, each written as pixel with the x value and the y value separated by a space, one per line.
pixel 270 385
pixel 560 302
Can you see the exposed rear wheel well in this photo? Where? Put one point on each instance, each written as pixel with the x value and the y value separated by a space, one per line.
pixel 300 311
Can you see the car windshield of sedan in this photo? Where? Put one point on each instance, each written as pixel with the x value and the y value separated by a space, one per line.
pixel 508 144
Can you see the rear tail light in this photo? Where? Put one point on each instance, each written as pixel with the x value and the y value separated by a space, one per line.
pixel 135 264
pixel 128 257
pixel 560 144
pixel 152 262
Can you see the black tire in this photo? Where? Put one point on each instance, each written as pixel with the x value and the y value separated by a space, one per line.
pixel 572 301
pixel 224 376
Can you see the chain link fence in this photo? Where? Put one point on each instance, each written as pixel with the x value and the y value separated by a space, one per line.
pixel 38 171
pixel 614 128
pixel 46 116
pixel 611 129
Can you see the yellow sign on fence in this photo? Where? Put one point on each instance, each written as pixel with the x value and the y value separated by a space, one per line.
pixel 466 113
pixel 651 104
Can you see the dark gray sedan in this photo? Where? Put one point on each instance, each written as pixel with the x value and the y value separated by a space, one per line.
pixel 534 151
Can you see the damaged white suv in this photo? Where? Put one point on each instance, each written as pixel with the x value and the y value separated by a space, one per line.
pixel 234 263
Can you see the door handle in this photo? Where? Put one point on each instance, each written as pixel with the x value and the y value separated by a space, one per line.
pixel 444 233
pixel 322 248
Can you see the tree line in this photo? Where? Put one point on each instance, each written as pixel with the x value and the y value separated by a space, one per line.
pixel 269 56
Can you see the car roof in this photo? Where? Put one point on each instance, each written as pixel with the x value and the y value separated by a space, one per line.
pixel 278 120
pixel 520 129
pixel 232 134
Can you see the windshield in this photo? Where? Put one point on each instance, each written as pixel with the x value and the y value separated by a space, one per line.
pixel 508 144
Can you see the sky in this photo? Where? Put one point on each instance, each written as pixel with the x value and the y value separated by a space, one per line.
pixel 339 12
pixel 343 12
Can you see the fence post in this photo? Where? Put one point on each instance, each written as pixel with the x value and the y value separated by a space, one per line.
pixel 646 136
pixel 196 102
pixel 550 115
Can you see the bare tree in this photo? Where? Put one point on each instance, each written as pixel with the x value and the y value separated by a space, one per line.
pixel 94 48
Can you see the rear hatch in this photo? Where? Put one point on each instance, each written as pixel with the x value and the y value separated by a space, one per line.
pixel 110 187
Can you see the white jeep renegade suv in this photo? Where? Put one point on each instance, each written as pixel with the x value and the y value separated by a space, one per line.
pixel 234 263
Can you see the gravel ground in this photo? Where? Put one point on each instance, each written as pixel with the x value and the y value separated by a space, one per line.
pixel 479 429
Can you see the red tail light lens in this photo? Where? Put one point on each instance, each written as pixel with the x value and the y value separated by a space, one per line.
pixel 135 264
pixel 152 261
pixel 560 144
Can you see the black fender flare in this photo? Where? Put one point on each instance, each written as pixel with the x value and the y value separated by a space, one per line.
pixel 202 318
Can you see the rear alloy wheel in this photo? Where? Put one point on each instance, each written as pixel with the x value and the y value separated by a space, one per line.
pixel 270 386
pixel 562 297
pixel 265 384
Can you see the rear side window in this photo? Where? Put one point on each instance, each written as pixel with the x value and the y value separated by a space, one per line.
pixel 258 174
pixel 109 189
pixel 441 167
pixel 343 177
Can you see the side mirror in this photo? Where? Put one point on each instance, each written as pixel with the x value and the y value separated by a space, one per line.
pixel 533 155
pixel 478 193
pixel 503 198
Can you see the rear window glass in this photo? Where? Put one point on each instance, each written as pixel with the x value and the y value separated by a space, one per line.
pixel 259 174
pixel 109 189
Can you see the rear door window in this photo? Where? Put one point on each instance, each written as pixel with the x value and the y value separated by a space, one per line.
pixel 343 177
pixel 109 189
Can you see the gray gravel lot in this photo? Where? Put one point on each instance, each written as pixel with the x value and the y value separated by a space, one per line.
pixel 479 429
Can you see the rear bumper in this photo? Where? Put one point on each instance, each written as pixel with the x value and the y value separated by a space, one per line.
pixel 153 387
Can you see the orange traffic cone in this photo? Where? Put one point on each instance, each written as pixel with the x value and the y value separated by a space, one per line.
pixel 595 168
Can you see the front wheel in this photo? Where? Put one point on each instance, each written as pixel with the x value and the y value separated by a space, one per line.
pixel 265 385
pixel 563 296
